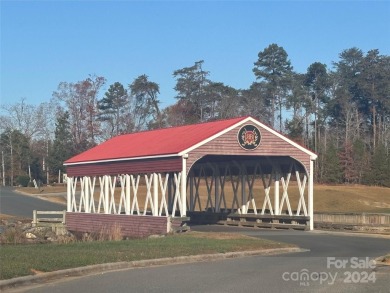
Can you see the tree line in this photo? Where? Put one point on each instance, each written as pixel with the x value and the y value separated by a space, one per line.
pixel 341 113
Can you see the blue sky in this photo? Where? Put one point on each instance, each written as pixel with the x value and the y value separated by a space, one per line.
pixel 46 42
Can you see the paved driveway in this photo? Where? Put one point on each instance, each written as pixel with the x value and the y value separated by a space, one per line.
pixel 16 204
pixel 320 243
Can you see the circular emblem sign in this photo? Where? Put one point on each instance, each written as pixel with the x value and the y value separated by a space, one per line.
pixel 249 137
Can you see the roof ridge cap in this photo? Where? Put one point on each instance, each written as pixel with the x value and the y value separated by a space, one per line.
pixel 184 125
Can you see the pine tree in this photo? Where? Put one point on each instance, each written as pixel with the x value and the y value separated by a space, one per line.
pixel 113 108
pixel 274 67
pixel 380 167
pixel 332 167
pixel 361 159
pixel 61 149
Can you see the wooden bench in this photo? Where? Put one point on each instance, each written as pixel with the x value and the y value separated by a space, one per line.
pixel 48 221
pixel 268 221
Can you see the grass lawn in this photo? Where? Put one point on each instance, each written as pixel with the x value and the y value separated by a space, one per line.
pixel 351 198
pixel 22 260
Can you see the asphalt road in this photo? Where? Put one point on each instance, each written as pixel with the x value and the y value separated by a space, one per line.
pixel 334 263
pixel 16 204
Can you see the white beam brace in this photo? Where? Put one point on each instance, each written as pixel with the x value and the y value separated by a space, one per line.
pixel 276 194
pixel 311 195
pixel 106 194
pixel 69 182
pixel 155 194
pixel 184 186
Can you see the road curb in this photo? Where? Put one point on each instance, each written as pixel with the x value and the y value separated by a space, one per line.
pixel 100 268
pixel 353 234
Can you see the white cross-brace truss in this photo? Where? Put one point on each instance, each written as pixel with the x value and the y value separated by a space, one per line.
pixel 122 194
pixel 251 185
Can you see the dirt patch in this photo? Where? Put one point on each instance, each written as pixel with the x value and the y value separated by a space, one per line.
pixel 386 259
pixel 54 198
pixel 375 204
pixel 43 189
pixel 219 236
pixel 5 216
pixel 36 272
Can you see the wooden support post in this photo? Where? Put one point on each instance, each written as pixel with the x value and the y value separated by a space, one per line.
pixel 311 195
pixel 243 192
pixel 191 182
pixel 34 222
pixel 86 194
pixel 170 192
pixel 184 186
pixel 106 194
pixel 69 182
pixel 216 189
pixel 276 195
pixel 128 194
pixel 155 194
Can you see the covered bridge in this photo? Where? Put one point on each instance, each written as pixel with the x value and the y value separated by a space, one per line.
pixel 145 182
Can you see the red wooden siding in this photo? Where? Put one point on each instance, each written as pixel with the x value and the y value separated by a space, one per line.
pixel 270 145
pixel 131 226
pixel 226 144
pixel 161 165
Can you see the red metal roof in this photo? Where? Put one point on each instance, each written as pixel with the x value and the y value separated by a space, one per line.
pixel 167 141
